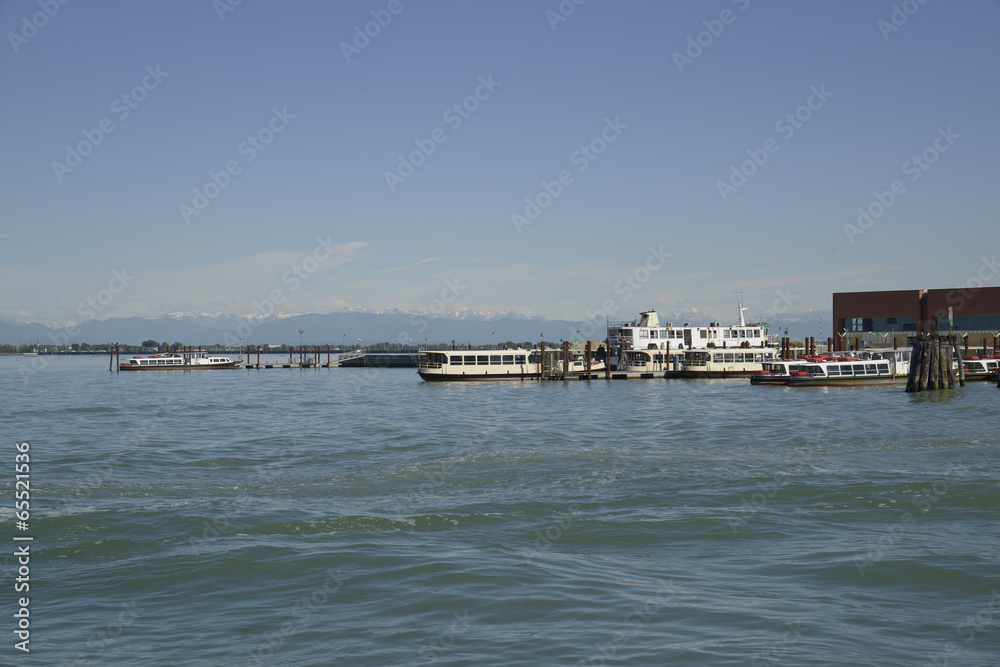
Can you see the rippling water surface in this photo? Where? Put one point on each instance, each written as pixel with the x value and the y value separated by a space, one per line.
pixel 363 517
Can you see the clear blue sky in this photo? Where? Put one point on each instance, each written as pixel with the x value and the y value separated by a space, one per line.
pixel 886 96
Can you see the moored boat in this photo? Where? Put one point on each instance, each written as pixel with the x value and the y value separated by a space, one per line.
pixel 179 362
pixel 980 368
pixel 843 371
pixel 644 346
pixel 519 364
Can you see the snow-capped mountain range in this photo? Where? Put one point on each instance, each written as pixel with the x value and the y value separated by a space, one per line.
pixel 348 326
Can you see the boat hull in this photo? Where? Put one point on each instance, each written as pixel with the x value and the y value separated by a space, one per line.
pixel 842 382
pixel 774 380
pixel 192 367
pixel 476 377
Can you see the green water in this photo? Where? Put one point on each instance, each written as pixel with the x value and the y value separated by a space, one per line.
pixel 363 517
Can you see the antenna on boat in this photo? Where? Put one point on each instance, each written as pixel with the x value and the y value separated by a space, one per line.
pixel 740 308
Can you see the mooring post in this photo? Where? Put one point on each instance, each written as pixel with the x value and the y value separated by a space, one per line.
pixel 958 357
pixel 111 359
pixel 587 355
pixel 118 356
pixel 565 351
pixel 607 358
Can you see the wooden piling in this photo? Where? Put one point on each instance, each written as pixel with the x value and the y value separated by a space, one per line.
pixel 565 351
pixel 925 353
pixel 958 358
pixel 118 356
pixel 111 359
pixel 587 356
pixel 607 358
pixel 541 375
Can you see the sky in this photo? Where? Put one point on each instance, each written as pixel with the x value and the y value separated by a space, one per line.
pixel 572 160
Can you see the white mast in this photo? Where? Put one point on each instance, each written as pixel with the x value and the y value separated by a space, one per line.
pixel 740 308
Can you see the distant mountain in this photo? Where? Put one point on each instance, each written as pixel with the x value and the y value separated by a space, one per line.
pixel 464 327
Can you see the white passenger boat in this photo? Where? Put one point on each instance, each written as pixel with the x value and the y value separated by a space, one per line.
pixel 519 364
pixel 980 368
pixel 871 366
pixel 644 346
pixel 843 371
pixel 179 362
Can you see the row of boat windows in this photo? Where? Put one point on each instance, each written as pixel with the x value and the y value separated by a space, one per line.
pixel 731 357
pixel 159 362
pixel 488 360
pixel 703 333
pixel 835 370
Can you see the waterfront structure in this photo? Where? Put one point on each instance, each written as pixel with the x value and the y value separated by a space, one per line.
pixel 897 317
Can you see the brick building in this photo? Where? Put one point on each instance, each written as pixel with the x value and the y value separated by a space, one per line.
pixel 877 318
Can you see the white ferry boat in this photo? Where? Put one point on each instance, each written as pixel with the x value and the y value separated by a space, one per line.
pixel 179 362
pixel 871 366
pixel 980 368
pixel 843 371
pixel 644 346
pixel 519 364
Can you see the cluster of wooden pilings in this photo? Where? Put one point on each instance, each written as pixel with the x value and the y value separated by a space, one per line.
pixel 930 363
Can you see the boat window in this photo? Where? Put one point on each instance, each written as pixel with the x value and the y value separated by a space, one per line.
pixel 729 358
pixel 743 333
pixel 725 333
pixel 456 360
pixel 484 360
pixel 704 333
pixel 756 333
pixel 815 370
pixel 845 369
pixel 519 359
pixel 833 371
pixel 654 334
pixel 495 359
pixel 508 359
pixel 883 368
pixel 470 360
pixel 871 369
pixel 717 357
pixel 769 355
